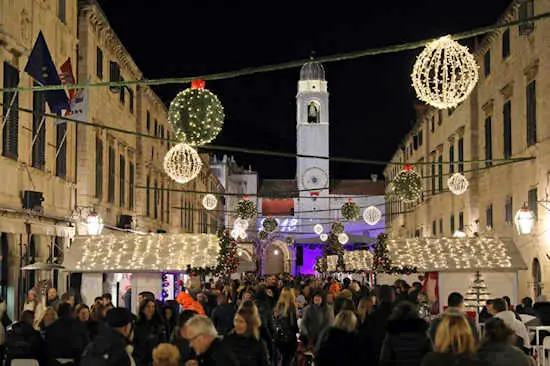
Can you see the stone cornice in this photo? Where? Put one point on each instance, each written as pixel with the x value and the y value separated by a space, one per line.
pixel 488 107
pixel 508 90
pixel 532 70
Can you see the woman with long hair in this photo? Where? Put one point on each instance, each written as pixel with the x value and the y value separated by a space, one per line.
pixel 454 343
pixel 34 304
pixel 406 341
pixel 285 326
pixel 166 354
pixel 244 340
pixel 49 316
pixel 265 329
pixel 497 348
pixel 339 336
pixel 149 332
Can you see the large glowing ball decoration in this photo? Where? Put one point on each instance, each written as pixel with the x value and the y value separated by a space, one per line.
pixel 444 74
pixel 323 237
pixel 407 185
pixel 240 224
pixel 318 229
pixel 343 238
pixel 372 215
pixel 457 183
pixel 209 202
pixel 196 115
pixel 182 163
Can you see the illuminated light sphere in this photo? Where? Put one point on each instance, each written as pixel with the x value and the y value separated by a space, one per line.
pixel 318 229
pixel 459 234
pixel 457 183
pixel 407 185
pixel 196 115
pixel 525 220
pixel 235 234
pixel 372 215
pixel 323 237
pixel 182 163
pixel 209 201
pixel 94 223
pixel 240 224
pixel 444 74
pixel 343 238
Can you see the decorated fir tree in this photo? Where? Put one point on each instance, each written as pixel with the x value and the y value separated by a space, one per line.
pixel 228 260
pixel 381 261
pixel 477 295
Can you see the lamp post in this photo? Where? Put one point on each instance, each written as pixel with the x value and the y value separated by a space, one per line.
pixel 95 223
pixel 525 220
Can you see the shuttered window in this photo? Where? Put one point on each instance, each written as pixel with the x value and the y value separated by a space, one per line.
pixel 131 191
pixel 122 181
pixel 507 127
pixel 61 149
pixel 38 130
pixel 10 112
pixel 531 113
pixel 111 175
pixel 99 168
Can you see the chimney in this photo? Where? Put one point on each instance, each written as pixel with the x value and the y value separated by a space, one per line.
pixel 374 177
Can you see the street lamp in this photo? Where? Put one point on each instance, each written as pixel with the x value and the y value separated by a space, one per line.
pixel 95 224
pixel 525 220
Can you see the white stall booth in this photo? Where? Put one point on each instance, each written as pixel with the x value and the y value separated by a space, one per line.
pixel 138 259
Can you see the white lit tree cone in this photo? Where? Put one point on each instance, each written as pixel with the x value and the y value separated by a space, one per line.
pixel 444 74
pixel 209 201
pixel 343 238
pixel 407 185
pixel 196 115
pixel 270 224
pixel 182 163
pixel 457 183
pixel 372 215
pixel 318 229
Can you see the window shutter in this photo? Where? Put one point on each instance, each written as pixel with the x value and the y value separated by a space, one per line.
pixel 10 133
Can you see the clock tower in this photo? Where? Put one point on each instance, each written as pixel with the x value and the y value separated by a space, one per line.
pixel 312 130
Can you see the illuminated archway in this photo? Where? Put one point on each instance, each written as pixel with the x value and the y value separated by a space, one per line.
pixel 277 258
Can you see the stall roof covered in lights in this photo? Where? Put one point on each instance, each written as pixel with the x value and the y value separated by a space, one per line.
pixel 141 253
pixel 456 254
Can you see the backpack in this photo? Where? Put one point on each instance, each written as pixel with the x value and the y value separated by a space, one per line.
pixel 281 332
pixel 109 357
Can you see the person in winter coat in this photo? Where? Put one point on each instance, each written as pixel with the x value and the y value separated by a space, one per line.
pixel 244 340
pixel 112 346
pixel 378 321
pixel 454 343
pixel 66 338
pixel 497 349
pixel 317 316
pixel 455 301
pixel 500 310
pixel 338 337
pixel 178 338
pixel 48 318
pixel 23 341
pixel 406 341
pixel 149 332
pixel 266 335
pixel 34 304
pixel 52 298
pixel 3 315
pixel 285 325
pixel 203 338
pixel 223 315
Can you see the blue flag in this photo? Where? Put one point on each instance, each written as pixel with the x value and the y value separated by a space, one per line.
pixel 41 68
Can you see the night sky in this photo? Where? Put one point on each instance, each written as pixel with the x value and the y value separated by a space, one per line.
pixel 371 100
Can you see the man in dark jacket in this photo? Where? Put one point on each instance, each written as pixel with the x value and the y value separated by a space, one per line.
pixel 223 315
pixel 112 346
pixel 455 301
pixel 23 341
pixel 203 338
pixel 378 320
pixel 66 338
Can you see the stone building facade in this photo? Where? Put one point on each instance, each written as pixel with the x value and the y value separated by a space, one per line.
pixel 503 118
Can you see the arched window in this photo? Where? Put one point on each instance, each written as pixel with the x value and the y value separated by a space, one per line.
pixel 537 277
pixel 313 112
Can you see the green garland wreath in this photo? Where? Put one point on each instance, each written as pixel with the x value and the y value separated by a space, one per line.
pixel 270 224
pixel 263 235
pixel 246 209
pixel 337 228
pixel 350 211
pixel 407 185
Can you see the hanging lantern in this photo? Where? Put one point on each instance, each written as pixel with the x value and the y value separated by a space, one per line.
pixel 457 183
pixel 182 163
pixel 323 237
pixel 343 238
pixel 525 220
pixel 94 223
pixel 407 185
pixel 444 74
pixel 372 215
pixel 318 229
pixel 209 201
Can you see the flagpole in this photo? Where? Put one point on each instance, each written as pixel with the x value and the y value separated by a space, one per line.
pixel 5 117
pixel 37 132
pixel 61 144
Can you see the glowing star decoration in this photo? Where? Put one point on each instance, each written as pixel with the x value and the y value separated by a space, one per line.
pixel 318 229
pixel 209 201
pixel 343 238
pixel 196 115
pixel 444 74
pixel 525 220
pixel 182 163
pixel 372 215
pixel 457 183
pixel 323 237
pixel 407 185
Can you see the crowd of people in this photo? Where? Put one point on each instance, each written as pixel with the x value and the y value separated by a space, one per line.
pixel 276 320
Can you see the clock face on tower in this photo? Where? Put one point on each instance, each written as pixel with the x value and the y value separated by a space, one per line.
pixel 315 178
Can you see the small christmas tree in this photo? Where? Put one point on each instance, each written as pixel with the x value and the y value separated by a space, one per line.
pixel 228 261
pixel 477 295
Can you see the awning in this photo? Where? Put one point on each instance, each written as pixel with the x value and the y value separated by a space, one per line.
pixel 141 253
pixel 456 254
